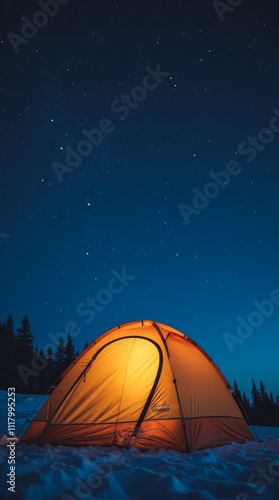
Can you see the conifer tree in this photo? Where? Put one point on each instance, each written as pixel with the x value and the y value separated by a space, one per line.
pixel 50 366
pixel 43 375
pixel 246 405
pixel 26 380
pixel 12 342
pixel 69 351
pixel 7 353
pixel 59 358
pixel 263 394
pixel 258 404
pixel 237 392
pixel 265 406
pixel 24 342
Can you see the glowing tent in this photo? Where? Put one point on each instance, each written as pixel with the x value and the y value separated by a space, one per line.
pixel 144 385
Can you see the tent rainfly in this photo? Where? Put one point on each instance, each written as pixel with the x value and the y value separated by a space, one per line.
pixel 145 385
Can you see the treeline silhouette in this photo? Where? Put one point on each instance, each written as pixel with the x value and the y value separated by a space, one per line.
pixel 264 407
pixel 33 371
pixel 23 366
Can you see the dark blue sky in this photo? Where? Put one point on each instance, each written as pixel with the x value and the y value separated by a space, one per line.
pixel 120 207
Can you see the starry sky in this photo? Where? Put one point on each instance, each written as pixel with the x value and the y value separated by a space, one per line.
pixel 64 240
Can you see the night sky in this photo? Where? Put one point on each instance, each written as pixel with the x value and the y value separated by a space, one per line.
pixel 63 240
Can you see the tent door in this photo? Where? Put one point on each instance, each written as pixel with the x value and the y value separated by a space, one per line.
pixel 116 390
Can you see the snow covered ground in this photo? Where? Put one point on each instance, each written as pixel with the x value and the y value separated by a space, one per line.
pixel 247 471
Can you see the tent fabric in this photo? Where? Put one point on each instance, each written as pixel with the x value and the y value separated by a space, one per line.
pixel 144 385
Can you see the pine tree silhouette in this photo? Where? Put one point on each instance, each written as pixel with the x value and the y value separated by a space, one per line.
pixel 44 381
pixel 255 403
pixel 50 366
pixel 7 353
pixel 70 352
pixel 264 404
pixel 246 405
pixel 26 375
pixel 237 392
pixel 59 358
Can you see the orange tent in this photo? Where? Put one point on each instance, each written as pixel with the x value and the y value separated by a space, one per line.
pixel 144 385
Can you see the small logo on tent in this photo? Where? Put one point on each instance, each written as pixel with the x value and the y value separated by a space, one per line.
pixel 159 408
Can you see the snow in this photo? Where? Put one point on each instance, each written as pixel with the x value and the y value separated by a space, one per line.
pixel 248 471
